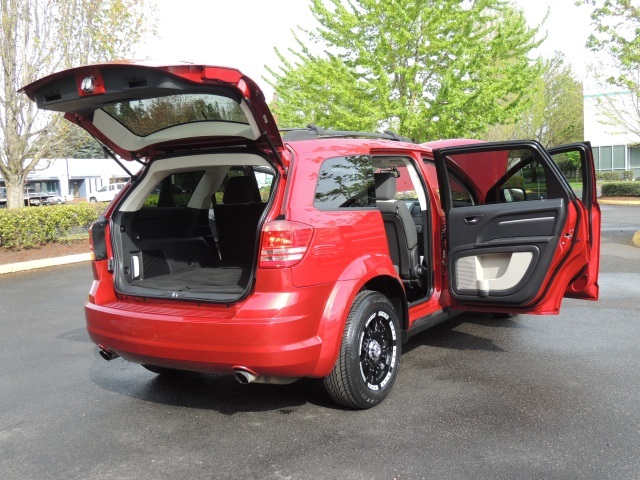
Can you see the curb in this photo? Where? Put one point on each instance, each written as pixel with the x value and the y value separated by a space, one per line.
pixel 45 262
pixel 636 239
pixel 604 201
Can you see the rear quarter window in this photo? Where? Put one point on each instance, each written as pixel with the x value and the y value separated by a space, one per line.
pixel 345 182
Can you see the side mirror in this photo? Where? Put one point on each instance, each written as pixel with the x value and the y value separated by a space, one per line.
pixel 513 194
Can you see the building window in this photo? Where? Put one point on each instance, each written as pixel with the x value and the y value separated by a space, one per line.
pixel 605 158
pixel 618 162
pixel 634 157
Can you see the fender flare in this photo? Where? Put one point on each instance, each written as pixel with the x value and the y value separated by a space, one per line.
pixel 338 304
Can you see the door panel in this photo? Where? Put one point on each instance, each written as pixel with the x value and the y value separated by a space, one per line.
pixel 484 223
pixel 500 255
pixel 521 245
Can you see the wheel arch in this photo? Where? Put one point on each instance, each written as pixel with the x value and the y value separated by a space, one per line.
pixel 393 290
pixel 337 309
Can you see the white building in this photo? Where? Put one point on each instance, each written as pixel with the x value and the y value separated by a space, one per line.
pixel 614 148
pixel 77 178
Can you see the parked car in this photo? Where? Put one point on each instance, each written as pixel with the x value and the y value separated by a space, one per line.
pixel 332 274
pixel 31 197
pixel 106 193
pixel 54 198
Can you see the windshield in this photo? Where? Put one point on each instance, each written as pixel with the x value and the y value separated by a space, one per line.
pixel 144 117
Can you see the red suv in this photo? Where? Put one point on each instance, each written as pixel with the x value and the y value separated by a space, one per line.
pixel 236 249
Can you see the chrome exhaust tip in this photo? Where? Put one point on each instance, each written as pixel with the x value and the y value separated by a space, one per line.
pixel 244 377
pixel 107 355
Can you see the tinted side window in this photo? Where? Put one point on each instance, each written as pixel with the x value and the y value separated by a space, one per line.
pixel 527 182
pixel 509 175
pixel 345 182
pixel 574 168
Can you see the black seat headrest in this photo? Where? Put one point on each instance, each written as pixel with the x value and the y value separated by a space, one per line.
pixel 241 189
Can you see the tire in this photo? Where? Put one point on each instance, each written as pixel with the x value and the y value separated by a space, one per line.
pixel 369 358
pixel 93 200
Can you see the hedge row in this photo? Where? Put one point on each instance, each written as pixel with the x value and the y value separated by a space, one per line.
pixel 615 176
pixel 35 226
pixel 608 176
pixel 621 189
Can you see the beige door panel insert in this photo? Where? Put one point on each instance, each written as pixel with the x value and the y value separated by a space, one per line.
pixel 492 272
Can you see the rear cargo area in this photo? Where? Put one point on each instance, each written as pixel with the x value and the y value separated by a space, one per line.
pixel 195 235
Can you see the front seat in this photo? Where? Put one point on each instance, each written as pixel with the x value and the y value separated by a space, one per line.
pixel 400 228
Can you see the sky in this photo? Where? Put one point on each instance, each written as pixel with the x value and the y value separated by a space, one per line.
pixel 243 33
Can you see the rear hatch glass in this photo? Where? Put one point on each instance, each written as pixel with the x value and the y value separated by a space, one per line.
pixel 147 116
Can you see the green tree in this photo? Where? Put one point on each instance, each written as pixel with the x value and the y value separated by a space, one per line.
pixel 616 38
pixel 38 37
pixel 426 68
pixel 555 112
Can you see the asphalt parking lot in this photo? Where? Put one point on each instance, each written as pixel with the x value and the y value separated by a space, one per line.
pixel 554 397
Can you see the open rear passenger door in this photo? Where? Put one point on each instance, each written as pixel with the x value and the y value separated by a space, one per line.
pixel 580 158
pixel 526 240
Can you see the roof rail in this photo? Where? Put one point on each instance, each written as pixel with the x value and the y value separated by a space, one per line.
pixel 313 132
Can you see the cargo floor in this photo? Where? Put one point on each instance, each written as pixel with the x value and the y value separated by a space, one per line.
pixel 223 279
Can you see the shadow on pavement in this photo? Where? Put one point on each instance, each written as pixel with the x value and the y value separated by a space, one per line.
pixel 221 393
pixel 446 336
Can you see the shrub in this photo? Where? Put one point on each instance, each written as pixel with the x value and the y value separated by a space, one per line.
pixel 152 200
pixel 608 176
pixel 627 175
pixel 35 226
pixel 621 189
pixel 265 191
pixel 517 181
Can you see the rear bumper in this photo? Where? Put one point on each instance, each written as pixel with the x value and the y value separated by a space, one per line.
pixel 274 334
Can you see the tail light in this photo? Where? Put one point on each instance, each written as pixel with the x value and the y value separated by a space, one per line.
pixel 98 239
pixel 284 243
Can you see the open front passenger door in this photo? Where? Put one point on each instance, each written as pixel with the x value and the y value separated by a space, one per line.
pixel 524 240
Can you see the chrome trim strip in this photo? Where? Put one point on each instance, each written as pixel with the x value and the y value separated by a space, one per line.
pixel 525 220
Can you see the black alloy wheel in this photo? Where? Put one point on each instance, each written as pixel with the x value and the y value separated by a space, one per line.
pixel 377 350
pixel 369 357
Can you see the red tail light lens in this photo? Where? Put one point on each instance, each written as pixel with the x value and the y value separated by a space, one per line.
pixel 284 243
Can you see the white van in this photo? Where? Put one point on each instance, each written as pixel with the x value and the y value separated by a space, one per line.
pixel 106 193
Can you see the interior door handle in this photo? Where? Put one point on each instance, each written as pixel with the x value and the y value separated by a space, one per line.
pixel 472 220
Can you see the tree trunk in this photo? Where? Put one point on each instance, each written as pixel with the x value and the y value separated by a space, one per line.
pixel 15 198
